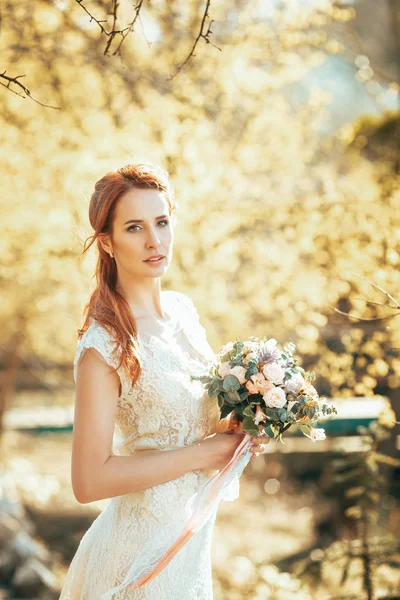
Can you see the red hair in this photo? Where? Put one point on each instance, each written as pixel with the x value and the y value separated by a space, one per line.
pixel 106 304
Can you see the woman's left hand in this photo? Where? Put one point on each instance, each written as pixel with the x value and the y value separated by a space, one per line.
pixel 231 422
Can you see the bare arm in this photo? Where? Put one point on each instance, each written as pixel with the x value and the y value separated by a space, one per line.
pixel 96 474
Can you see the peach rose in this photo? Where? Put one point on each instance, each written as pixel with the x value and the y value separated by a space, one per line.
pixel 258 384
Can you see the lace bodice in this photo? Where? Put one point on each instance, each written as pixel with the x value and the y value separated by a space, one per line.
pixel 165 408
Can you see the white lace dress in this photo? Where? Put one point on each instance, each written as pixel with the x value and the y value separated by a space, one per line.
pixel 165 409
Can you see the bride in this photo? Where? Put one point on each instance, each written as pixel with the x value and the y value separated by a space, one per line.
pixel 145 434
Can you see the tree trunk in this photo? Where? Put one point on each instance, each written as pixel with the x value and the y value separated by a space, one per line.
pixel 9 376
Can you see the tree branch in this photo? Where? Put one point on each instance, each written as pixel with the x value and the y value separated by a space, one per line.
pixel 114 32
pixel 21 86
pixel 201 34
pixel 396 306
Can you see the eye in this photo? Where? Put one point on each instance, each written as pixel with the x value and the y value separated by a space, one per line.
pixel 165 221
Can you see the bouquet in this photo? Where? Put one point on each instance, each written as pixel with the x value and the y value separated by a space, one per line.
pixel 263 387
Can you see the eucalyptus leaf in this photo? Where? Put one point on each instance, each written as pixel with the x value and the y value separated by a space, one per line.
pixel 250 427
pixel 226 411
pixel 213 388
pixel 234 396
pixel 231 382
pixel 248 412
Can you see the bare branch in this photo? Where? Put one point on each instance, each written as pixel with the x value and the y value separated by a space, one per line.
pixel 201 34
pixel 363 318
pixel 92 18
pixel 114 32
pixel 396 307
pixel 375 303
pixel 380 289
pixel 21 86
pixel 130 27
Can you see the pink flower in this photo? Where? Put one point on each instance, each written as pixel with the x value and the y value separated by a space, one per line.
pixel 260 415
pixel 310 390
pixel 258 384
pixel 239 372
pixel 274 372
pixel 224 369
pixel 275 398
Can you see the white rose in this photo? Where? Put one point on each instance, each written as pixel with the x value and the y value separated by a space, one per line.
pixel 275 398
pixel 239 372
pixel 317 434
pixel 295 383
pixel 274 372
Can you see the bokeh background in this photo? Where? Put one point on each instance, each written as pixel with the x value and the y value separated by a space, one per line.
pixel 279 125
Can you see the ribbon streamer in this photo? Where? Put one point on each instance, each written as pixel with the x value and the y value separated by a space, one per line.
pixel 157 553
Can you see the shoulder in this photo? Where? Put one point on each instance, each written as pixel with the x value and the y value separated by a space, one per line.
pixel 183 300
pixel 97 337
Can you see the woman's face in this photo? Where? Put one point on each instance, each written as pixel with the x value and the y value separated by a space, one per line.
pixel 142 227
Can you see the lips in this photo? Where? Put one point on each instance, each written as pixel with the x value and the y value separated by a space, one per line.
pixel 156 258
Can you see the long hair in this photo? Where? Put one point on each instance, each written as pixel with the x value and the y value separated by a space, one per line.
pixel 106 304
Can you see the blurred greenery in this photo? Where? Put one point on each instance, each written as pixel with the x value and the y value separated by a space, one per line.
pixel 281 139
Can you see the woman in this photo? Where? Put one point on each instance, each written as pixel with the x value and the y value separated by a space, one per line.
pixel 145 434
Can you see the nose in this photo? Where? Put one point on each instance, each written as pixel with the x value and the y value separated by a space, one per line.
pixel 153 241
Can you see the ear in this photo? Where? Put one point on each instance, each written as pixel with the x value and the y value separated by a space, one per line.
pixel 105 242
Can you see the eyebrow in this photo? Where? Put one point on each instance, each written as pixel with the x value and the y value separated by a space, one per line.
pixel 141 220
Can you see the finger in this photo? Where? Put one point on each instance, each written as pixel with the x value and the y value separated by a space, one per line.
pixel 263 439
pixel 258 448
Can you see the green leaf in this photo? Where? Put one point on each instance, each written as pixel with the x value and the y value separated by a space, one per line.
pixel 231 382
pixel 234 397
pixel 248 412
pixel 305 429
pixel 214 388
pixel 269 431
pixel 226 411
pixel 283 416
pixel 252 369
pixel 250 427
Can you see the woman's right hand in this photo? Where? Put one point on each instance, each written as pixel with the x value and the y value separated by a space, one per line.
pixel 218 449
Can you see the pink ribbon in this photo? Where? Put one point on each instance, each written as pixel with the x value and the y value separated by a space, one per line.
pixel 201 509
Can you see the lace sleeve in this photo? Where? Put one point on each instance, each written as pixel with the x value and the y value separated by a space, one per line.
pixel 98 338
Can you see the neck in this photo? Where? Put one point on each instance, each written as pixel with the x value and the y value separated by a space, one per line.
pixel 144 298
